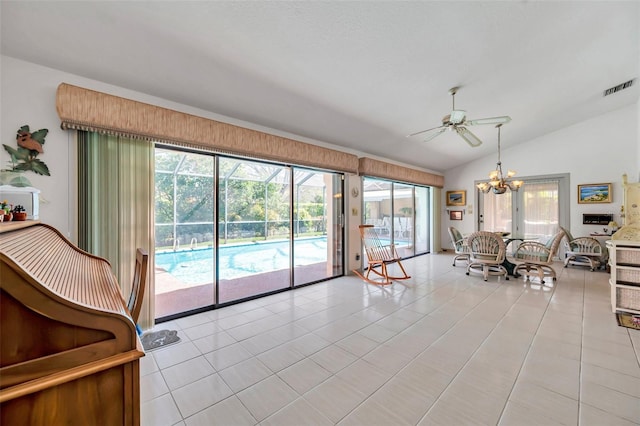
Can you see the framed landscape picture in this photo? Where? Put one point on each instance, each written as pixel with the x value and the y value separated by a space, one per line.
pixel 594 193
pixel 456 198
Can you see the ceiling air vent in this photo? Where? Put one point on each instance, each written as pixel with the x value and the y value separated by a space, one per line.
pixel 619 87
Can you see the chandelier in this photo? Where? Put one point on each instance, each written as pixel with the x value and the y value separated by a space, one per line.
pixel 499 183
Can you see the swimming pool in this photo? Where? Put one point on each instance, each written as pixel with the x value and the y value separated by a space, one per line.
pixel 240 260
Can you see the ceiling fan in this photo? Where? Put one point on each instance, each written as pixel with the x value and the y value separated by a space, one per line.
pixel 457 121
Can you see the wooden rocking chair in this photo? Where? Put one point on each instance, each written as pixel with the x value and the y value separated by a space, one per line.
pixel 379 255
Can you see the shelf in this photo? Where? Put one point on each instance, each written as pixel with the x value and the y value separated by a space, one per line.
pixel 630 286
pixel 630 311
pixel 625 276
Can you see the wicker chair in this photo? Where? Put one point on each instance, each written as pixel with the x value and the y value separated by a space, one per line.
pixel 487 253
pixel 582 251
pixel 459 245
pixel 534 258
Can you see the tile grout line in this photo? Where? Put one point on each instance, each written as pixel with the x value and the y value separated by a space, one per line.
pixel 470 357
pixel 584 292
pixel 524 360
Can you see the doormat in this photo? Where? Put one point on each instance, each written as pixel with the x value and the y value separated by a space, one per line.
pixel 159 339
pixel 628 320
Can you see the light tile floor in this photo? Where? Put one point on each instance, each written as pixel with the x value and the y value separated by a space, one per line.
pixel 440 349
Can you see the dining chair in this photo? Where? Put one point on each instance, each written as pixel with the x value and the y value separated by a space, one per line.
pixel 460 246
pixel 535 258
pixel 582 251
pixel 487 253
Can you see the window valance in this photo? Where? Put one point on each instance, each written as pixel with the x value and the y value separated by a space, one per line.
pixel 381 169
pixel 85 109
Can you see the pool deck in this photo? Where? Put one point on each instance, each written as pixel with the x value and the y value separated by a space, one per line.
pixel 174 296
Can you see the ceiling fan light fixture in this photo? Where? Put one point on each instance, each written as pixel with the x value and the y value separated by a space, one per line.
pixel 457 116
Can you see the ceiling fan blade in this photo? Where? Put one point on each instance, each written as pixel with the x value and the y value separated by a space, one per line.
pixel 469 137
pixel 434 134
pixel 493 120
pixel 428 130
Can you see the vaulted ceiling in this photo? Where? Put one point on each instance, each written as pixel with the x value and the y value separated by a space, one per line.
pixel 361 75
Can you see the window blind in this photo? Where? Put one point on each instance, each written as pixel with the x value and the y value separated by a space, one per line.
pixel 84 109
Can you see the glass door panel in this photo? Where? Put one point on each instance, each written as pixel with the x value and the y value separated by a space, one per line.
pixel 317 226
pixel 403 219
pixel 496 214
pixel 377 209
pixel 184 255
pixel 254 252
pixel 541 210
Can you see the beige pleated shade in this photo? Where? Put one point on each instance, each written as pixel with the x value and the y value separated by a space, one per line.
pixel 382 169
pixel 84 109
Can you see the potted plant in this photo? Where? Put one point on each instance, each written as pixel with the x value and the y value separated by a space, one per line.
pixel 19 213
pixel 5 211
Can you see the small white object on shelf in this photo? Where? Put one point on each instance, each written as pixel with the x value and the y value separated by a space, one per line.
pixel 27 196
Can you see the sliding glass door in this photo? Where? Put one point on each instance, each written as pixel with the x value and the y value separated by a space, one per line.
pixel 229 229
pixel 400 214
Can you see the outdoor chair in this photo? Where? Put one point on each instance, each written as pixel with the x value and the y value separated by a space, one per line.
pixel 380 254
pixel 459 245
pixel 582 251
pixel 535 258
pixel 487 253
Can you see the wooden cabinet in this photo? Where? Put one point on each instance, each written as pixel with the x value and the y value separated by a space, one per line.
pixel 631 202
pixel 624 260
pixel 69 351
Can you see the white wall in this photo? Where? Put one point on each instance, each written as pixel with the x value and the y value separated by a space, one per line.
pixel 598 150
pixel 28 97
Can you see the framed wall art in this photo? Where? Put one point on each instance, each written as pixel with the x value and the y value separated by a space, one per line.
pixel 455 215
pixel 594 193
pixel 456 198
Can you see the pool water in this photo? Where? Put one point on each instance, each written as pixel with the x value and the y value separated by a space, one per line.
pixel 240 260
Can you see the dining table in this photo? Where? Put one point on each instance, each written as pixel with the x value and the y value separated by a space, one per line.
pixel 508 239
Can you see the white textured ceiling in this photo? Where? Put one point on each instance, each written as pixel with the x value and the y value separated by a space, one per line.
pixel 361 75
